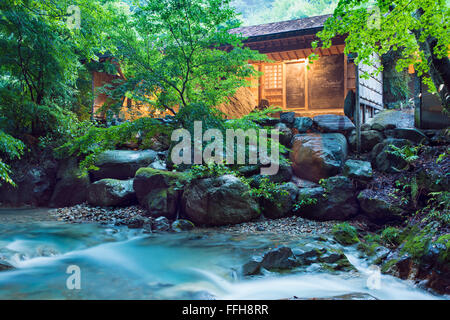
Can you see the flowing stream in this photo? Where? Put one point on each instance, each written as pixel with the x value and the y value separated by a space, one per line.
pixel 120 263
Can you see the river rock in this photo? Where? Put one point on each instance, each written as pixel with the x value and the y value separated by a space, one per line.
pixel 303 124
pixel 377 126
pixel 5 266
pixel 159 191
pixel 111 193
pixel 149 179
pixel 333 123
pixel 121 164
pixel 433 180
pixel 251 268
pixel 336 201
pixel 285 134
pixel 358 169
pixel 287 118
pixel 378 206
pixel 318 156
pixel 218 201
pixel 302 183
pixel 180 225
pixel 161 224
pixel 410 134
pixel 158 164
pixel 390 119
pixel 139 221
pixel 279 259
pixel 369 139
pixel 34 184
pixel 71 186
pixel 283 204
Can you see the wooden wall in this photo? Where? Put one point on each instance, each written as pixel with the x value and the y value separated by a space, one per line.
pixel 319 89
pixel 371 90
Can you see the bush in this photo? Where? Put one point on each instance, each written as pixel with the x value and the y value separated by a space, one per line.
pixel 10 149
pixel 392 236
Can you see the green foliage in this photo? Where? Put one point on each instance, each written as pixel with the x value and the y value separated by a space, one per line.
pixel 304 202
pixel 417 29
pixel 208 170
pixel 395 83
pixel 10 148
pixel 266 189
pixel 443 155
pixel 392 236
pixel 417 241
pixel 407 153
pixel 445 255
pixel 97 139
pixel 437 208
pixel 345 234
pixel 171 50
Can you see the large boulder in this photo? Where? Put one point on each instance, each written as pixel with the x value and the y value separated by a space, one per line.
pixel 410 134
pixel 34 184
pixel 279 259
pixel 318 156
pixel 159 191
pixel 385 161
pixel 333 123
pixel 335 201
pixel 379 207
pixel 369 139
pixel 303 124
pixel 287 118
pixel 218 201
pixel 358 169
pixel 393 119
pixel 283 203
pixel 71 186
pixel 121 164
pixel 285 134
pixel 111 192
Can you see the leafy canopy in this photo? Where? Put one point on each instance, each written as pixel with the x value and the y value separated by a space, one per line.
pixel 171 53
pixel 418 29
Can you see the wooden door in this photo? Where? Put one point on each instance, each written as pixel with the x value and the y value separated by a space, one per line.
pixel 295 85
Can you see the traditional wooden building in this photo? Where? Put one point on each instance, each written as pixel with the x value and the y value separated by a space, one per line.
pixel 287 82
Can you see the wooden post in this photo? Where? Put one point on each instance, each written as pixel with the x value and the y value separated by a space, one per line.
pixel 93 95
pixel 357 113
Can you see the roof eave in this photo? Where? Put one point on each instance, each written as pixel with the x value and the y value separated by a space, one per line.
pixel 281 35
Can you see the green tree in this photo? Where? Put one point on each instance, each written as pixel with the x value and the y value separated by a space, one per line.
pixel 41 59
pixel 172 53
pixel 418 29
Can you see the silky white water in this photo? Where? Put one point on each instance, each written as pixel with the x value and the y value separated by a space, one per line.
pixel 118 263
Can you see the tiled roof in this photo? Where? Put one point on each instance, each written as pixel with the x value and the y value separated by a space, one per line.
pixel 282 26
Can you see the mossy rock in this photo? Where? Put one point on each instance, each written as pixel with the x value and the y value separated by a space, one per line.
pixel 345 234
pixel 418 241
pixel 149 179
pixel 388 265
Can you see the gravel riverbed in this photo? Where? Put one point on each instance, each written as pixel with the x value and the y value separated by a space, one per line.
pixel 289 226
